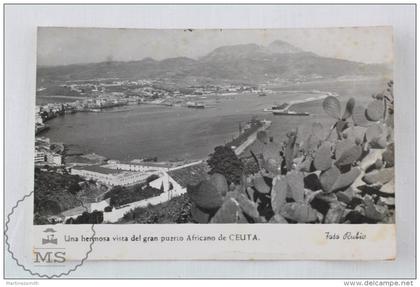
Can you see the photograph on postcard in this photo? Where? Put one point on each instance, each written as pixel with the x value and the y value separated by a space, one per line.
pixel 258 126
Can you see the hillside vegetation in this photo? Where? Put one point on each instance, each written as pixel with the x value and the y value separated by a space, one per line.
pixel 55 192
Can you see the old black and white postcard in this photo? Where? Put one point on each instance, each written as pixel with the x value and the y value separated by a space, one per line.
pixel 236 137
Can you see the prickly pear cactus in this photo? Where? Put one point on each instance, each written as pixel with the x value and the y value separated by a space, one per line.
pixel 205 195
pixel 322 159
pixel 229 212
pixel 375 110
pixel 317 176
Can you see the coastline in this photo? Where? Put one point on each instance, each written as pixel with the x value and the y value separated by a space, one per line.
pixel 80 150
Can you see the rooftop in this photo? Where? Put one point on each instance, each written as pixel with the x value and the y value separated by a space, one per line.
pixel 98 169
pixel 151 164
pixel 75 159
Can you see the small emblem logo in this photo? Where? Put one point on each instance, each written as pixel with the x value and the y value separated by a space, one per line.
pixel 50 237
pixel 49 255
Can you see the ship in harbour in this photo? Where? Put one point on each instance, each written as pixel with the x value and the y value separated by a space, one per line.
pixel 195 105
pixel 283 110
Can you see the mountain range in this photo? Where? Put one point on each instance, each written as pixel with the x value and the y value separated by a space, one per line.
pixel 250 63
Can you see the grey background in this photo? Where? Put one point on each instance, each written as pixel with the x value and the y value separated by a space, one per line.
pixel 20 65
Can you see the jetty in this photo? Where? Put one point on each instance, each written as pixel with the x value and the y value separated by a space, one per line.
pixel 251 138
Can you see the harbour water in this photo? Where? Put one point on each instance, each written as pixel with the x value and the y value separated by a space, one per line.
pixel 172 133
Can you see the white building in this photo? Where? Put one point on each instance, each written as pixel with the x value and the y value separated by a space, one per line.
pixel 42 141
pixel 54 158
pixel 139 166
pixel 110 176
pixel 39 157
pixel 87 207
pixel 38 119
pixel 174 183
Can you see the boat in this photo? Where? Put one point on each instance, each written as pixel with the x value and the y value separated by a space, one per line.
pixel 195 105
pixel 283 110
pixel 289 113
pixel 281 107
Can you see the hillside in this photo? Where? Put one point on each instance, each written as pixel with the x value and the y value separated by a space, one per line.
pixel 249 62
pixel 54 192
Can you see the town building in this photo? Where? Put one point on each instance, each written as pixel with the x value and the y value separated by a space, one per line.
pixel 87 207
pixel 110 176
pixel 38 119
pixel 174 183
pixel 54 158
pixel 39 157
pixel 139 166
pixel 42 141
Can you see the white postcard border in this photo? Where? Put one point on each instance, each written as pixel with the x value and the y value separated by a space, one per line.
pixel 20 80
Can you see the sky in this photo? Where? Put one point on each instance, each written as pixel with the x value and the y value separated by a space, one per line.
pixel 64 46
